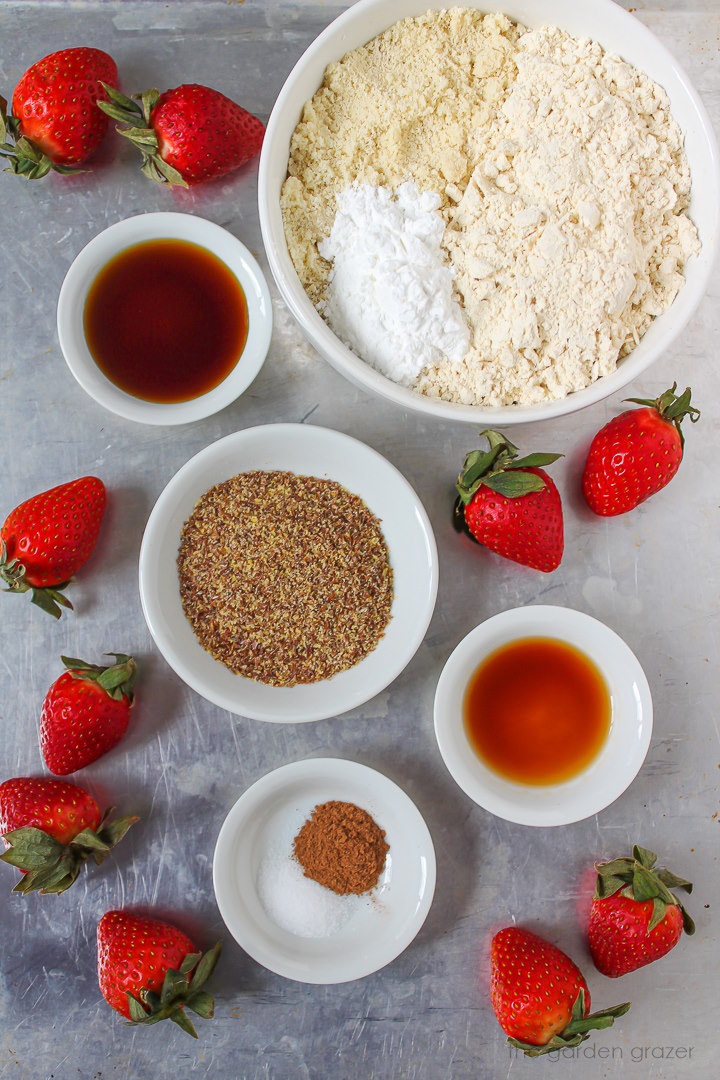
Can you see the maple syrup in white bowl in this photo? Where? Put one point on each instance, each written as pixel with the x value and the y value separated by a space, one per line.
pixel 543 715
pixel 164 318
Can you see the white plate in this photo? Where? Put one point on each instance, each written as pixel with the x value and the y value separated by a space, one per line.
pixel 619 760
pixel 163 226
pixel 311 451
pixel 618 32
pixel 382 928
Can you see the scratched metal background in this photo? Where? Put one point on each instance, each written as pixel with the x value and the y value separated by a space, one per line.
pixel 653 576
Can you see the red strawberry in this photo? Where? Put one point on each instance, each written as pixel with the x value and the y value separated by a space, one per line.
pixel 139 959
pixel 540 997
pixel 637 453
pixel 86 712
pixel 50 828
pixel 187 135
pixel 46 540
pixel 511 505
pixel 56 123
pixel 634 918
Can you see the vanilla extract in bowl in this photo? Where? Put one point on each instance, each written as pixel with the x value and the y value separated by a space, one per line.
pixel 166 320
pixel 537 711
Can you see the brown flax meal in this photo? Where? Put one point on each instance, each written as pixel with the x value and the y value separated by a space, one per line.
pixel 285 579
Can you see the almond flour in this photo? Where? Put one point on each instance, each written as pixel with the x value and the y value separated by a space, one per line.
pixel 560 176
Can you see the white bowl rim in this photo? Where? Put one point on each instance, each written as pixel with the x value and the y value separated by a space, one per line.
pixel 153 609
pixel 336 353
pixel 137 229
pixel 586 794
pixel 343 769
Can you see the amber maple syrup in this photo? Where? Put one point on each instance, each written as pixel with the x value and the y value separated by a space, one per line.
pixel 166 320
pixel 537 711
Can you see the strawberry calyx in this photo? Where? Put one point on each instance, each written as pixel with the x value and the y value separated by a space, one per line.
pixel 638 878
pixel 180 988
pixel 135 112
pixel 577 1030
pixel 500 469
pixel 48 597
pixel 117 680
pixel 24 158
pixel 672 408
pixel 51 866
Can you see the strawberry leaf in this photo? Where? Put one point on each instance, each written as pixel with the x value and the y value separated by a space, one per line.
pixel 607 885
pixel 534 461
pixel 512 485
pixel 206 966
pixel 137 1012
pixel 177 992
pixel 688 924
pixel 149 100
pixel 113 832
pixel 117 680
pixel 673 881
pixel 51 866
pixel 169 173
pixel 184 1022
pixel 174 984
pixel 51 600
pixel 189 962
pixel 202 1004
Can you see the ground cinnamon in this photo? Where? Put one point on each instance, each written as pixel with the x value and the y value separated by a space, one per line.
pixel 342 848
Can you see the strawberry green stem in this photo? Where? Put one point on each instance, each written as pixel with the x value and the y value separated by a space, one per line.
pixel 51 866
pixel 672 408
pixel 24 158
pixel 181 988
pixel 577 1030
pixel 117 680
pixel 500 469
pixel 135 112
pixel 638 878
pixel 49 598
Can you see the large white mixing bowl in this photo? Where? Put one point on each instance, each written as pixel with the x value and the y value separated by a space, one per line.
pixel 619 33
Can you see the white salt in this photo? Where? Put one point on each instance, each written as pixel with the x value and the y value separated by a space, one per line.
pixel 298 904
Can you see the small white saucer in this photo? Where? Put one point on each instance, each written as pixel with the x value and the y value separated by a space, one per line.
pixel 163 226
pixel 620 759
pixel 381 928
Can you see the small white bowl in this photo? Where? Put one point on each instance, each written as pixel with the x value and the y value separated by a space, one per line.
pixel 137 230
pixel 619 33
pixel 381 928
pixel 310 451
pixel 620 759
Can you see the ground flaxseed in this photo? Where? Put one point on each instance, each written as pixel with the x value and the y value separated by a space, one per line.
pixel 285 579
pixel 341 847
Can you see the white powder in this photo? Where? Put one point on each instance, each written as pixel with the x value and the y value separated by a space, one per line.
pixel 298 904
pixel 390 291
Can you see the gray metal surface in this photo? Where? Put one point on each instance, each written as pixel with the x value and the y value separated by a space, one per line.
pixel 654 576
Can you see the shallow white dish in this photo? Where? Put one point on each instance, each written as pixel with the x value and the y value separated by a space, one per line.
pixel 618 762
pixel 304 450
pixel 618 32
pixel 137 230
pixel 377 933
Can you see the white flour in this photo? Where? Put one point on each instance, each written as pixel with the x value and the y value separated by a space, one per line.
pixel 570 235
pixel 390 291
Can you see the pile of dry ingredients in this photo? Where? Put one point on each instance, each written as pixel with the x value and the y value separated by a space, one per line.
pixel 312 881
pixel 558 172
pixel 285 579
